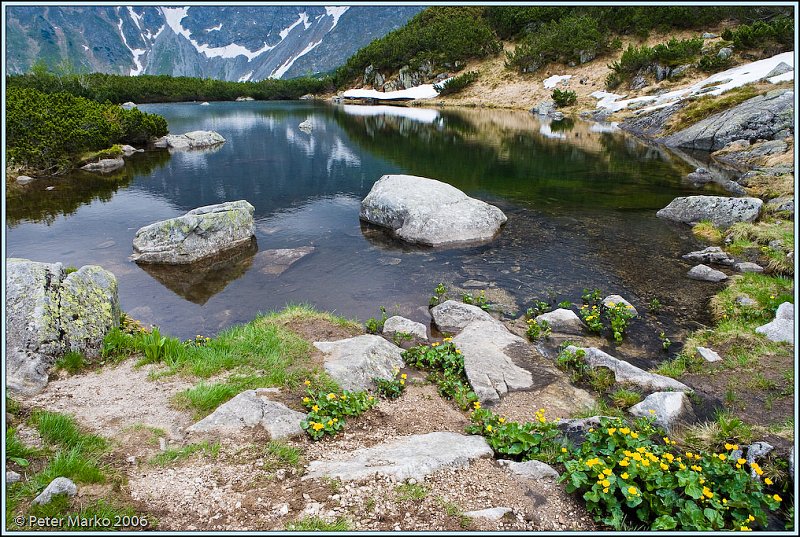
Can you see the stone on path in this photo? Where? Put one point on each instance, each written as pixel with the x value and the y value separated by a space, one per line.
pixel 425 211
pixel 562 321
pixel 706 273
pixel 59 485
pixel 629 373
pixel 201 233
pixel 408 457
pixel 492 513
pixel 721 211
pixel 400 327
pixel 712 254
pixel 452 316
pixel 537 470
pixel 668 409
pixel 782 328
pixel 617 299
pixel 708 355
pixel 250 409
pixel 354 362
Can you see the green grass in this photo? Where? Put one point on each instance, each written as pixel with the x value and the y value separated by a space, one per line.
pixel 173 455
pixel 16 451
pixel 707 231
pixel 407 491
pixel 712 435
pixel 72 463
pixel 12 406
pixel 624 398
pixel 768 292
pixel 72 362
pixel 600 408
pixel 703 107
pixel 280 454
pixel 682 363
pixel 61 429
pixel 317 524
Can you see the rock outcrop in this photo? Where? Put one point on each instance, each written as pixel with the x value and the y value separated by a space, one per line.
pixel 410 457
pixel 428 212
pixel 354 362
pixel 451 316
pixel 200 233
pixel 190 140
pixel 49 313
pixel 668 409
pixel 766 117
pixel 720 210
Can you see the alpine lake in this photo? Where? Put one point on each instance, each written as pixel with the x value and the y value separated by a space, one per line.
pixel 580 197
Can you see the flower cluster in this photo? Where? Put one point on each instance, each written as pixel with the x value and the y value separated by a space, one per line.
pixel 538 329
pixel 327 410
pixel 391 388
pixel 446 364
pixel 591 316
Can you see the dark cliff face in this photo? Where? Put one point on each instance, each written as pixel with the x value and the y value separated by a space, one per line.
pixel 230 43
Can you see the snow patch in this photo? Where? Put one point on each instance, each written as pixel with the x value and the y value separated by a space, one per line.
pixel 785 77
pixel 422 115
pixel 174 16
pixel 137 19
pixel 137 52
pixel 301 18
pixel 214 28
pixel 715 84
pixel 246 77
pixel 336 12
pixel 554 80
pixel 280 71
pixel 424 91
pixel 547 132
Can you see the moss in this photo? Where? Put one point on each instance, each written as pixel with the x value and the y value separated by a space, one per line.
pixel 707 231
pixel 114 151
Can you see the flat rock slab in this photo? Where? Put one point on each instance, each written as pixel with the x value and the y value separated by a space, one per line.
pixel 706 274
pixel 617 299
pixel 782 328
pixel 425 211
pixel 59 485
pixel 536 470
pixel 492 513
pixel 276 262
pixel 250 409
pixel 629 373
pixel 402 328
pixel 409 457
pixel 191 140
pixel 563 321
pixel 199 234
pixel 104 165
pixel 747 266
pixel 354 362
pixel 668 409
pixel 720 210
pixel 452 316
pixel 712 254
pixel 490 351
pixel 709 355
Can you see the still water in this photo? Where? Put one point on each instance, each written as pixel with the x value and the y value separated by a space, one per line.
pixel 580 199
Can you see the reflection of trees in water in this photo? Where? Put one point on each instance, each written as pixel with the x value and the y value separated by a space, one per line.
pixel 34 203
pixel 506 155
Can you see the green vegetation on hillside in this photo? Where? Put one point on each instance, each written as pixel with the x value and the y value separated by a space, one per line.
pixel 49 132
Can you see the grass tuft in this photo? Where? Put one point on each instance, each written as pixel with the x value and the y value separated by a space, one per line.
pixel 61 429
pixel 73 362
pixel 707 231
pixel 172 455
pixel 317 524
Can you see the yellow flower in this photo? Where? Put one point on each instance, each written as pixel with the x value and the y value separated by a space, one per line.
pixel 607 471
pixel 447 339
pixel 722 456
pixel 503 420
pixel 682 467
pixel 645 462
pixel 652 411
pixel 666 440
pixel 634 435
pixel 702 481
pixel 624 462
pixel 664 466
pixel 751 518
pixel 637 457
pixel 591 429
pixel 624 430
pixel 489 428
pixel 306 399
pixel 434 344
pixel 315 408
pixel 605 490
pixel 371 398
pixel 403 376
pixel 628 453
pixel 728 446
pixel 606 483
pixel 335 420
pixel 707 492
pixel 724 500
pixel 331 396
pixel 317 426
pixel 632 491
pixel 541 419
pixel 330 422
pixel 641 449
pixel 624 475
pixel 759 471
pixel 564 450
pixel 612 430
pixel 610 305
pixel 402 382
pixel 307 382
pixel 476 404
pixel 776 497
pixel 458 351
pixel 688 454
pixel 744 528
pixel 768 481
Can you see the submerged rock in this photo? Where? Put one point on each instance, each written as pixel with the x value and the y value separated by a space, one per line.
pixel 720 210
pixel 354 362
pixel 409 457
pixel 50 313
pixel 200 233
pixel 712 254
pixel 429 212
pixel 276 262
pixel 191 140
pixel 249 409
pixel 705 273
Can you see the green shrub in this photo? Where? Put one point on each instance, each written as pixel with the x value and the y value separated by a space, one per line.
pixel 375 326
pixel 327 411
pixel 672 53
pixel 779 31
pixel 562 40
pixel 564 98
pixel 446 364
pixel 537 329
pixel 456 84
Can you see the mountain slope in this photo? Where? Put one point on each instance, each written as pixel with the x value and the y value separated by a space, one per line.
pixel 230 43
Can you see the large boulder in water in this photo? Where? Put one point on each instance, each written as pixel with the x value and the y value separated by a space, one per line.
pixel 200 233
pixel 720 210
pixel 50 313
pixel 429 212
pixel 191 140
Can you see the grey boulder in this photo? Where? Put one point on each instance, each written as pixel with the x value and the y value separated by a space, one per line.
pixel 354 362
pixel 104 165
pixel 491 513
pixel 708 355
pixel 201 233
pixel 410 457
pixel 402 329
pixel 425 211
pixel 562 321
pixel 24 180
pixel 668 409
pixel 12 477
pixel 705 273
pixel 617 299
pixel 720 210
pixel 249 409
pixel 452 316
pixel 747 266
pixel 59 485
pixel 536 470
pixel 782 328
pixel 712 254
pixel 191 140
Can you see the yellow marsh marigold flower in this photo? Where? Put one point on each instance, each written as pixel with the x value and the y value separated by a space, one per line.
pixel 335 420
pixel 447 339
pixel 682 467
pixel 632 491
pixel 707 492
pixel 722 457
pixel 458 351
pixel 652 411
pixel 641 449
pixel 776 498
pixel 624 462
pixel 564 450
pixel 751 518
pixel 664 466
pixel 688 454
pixel 317 426
pixel 330 422
pixel 759 471
pixel 634 435
pixel 624 430
pixel 611 430
pixel 605 490
pixel 403 376
pixel 744 528
pixel 503 420
pixel 489 428
pixel 624 475
pixel 645 462
pixel 607 471
pixel 402 382
pixel 434 344
pixel 371 398
pixel 728 446
pixel 740 461
pixel 307 382
pixel 315 408
pixel 306 400
pixel 628 453
pixel 768 481
pixel 637 457
pixel 331 396
pixel 736 446
pixel 591 429
pixel 606 483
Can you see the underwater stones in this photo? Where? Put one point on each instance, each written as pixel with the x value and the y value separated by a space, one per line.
pixel 429 212
pixel 712 254
pixel 200 233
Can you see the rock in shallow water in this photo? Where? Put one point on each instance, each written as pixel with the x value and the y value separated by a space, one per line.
pixel 191 140
pixel 200 233
pixel 712 254
pixel 425 211
pixel 721 211
pixel 706 273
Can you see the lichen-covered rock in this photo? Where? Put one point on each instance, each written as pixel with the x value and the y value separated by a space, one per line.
pixel 200 233
pixel 451 316
pixel 721 211
pixel 403 330
pixel 50 313
pixel 104 165
pixel 667 408
pixel 191 140
pixel 425 211
pixel 356 361
pixel 562 321
pixel 705 273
